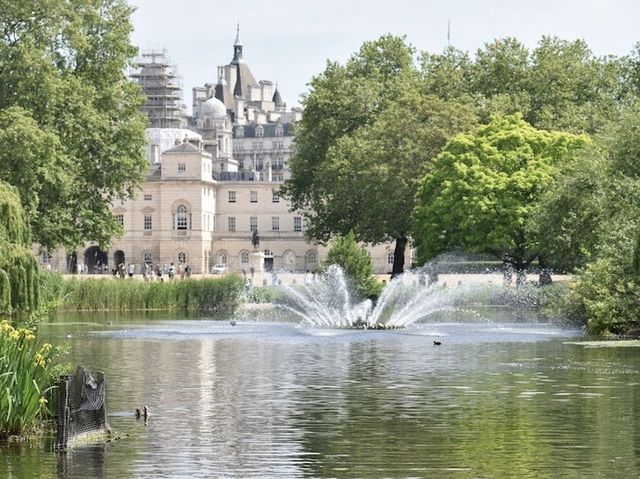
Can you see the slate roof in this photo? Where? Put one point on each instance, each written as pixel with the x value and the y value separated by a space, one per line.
pixel 269 130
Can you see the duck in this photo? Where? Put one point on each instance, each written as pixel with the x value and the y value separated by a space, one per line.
pixel 437 343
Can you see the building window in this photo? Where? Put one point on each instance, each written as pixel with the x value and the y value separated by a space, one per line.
pixel 279 130
pixel 253 196
pixel 275 197
pixel 312 258
pixel 232 197
pixel 232 224
pixel 253 223
pixel 182 167
pixel 259 131
pixel 239 132
pixel 275 223
pixel 148 197
pixel 244 257
pixel 120 219
pixel 182 218
pixel 390 258
pixel 182 257
pixel 277 176
pixel 148 257
pixel 297 223
pixel 148 224
pixel 222 258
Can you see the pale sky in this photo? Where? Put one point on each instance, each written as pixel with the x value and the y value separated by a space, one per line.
pixel 289 41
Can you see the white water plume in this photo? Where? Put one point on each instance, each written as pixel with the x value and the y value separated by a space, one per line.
pixel 327 302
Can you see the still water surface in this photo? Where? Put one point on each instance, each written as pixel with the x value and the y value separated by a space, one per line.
pixel 277 400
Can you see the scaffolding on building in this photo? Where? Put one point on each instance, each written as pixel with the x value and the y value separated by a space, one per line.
pixel 160 83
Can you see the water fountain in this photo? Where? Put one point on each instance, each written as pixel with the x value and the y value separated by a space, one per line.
pixel 328 302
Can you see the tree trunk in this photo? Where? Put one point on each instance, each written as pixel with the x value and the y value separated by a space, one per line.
pixel 545 272
pixel 398 256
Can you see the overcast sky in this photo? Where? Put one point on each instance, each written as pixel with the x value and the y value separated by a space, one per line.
pixel 289 41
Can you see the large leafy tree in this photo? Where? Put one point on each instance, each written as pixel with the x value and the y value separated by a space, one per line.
pixel 484 188
pixel 367 136
pixel 71 134
pixel 589 220
pixel 559 85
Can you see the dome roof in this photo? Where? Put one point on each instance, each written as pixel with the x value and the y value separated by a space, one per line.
pixel 213 107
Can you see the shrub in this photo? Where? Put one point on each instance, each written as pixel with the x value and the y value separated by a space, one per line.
pixel 610 296
pixel 356 263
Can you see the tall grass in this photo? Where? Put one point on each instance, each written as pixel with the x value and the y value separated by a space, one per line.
pixel 26 374
pixel 191 295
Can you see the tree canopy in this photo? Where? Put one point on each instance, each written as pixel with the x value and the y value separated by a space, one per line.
pixel 71 133
pixel 559 85
pixel 367 136
pixel 483 189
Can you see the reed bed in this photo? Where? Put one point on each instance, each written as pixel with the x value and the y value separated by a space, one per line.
pixel 191 295
pixel 26 374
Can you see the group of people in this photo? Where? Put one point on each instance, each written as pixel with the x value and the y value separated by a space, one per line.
pixel 152 272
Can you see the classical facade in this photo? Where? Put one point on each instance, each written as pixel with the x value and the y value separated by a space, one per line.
pixel 213 181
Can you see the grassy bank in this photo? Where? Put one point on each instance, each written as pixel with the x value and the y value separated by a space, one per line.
pixel 201 295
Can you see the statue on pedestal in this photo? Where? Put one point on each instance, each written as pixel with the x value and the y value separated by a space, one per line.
pixel 255 239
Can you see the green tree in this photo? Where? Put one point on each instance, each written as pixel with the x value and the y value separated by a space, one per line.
pixel 367 136
pixel 597 221
pixel 18 267
pixel 356 264
pixel 71 134
pixel 559 85
pixel 483 190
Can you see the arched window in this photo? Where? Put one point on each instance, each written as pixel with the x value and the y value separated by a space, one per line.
pixel 148 257
pixel 259 131
pixel 279 130
pixel 182 257
pixel 239 132
pixel 182 218
pixel 222 258
pixel 312 258
pixel 390 258
pixel 244 257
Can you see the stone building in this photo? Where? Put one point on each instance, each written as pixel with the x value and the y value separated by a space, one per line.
pixel 213 181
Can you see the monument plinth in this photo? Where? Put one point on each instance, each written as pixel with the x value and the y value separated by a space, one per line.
pixel 256 261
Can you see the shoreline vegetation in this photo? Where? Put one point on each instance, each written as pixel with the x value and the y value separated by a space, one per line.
pixel 221 294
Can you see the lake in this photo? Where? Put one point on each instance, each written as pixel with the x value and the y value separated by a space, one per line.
pixel 500 397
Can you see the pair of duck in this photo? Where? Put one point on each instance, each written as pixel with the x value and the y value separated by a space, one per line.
pixel 144 413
